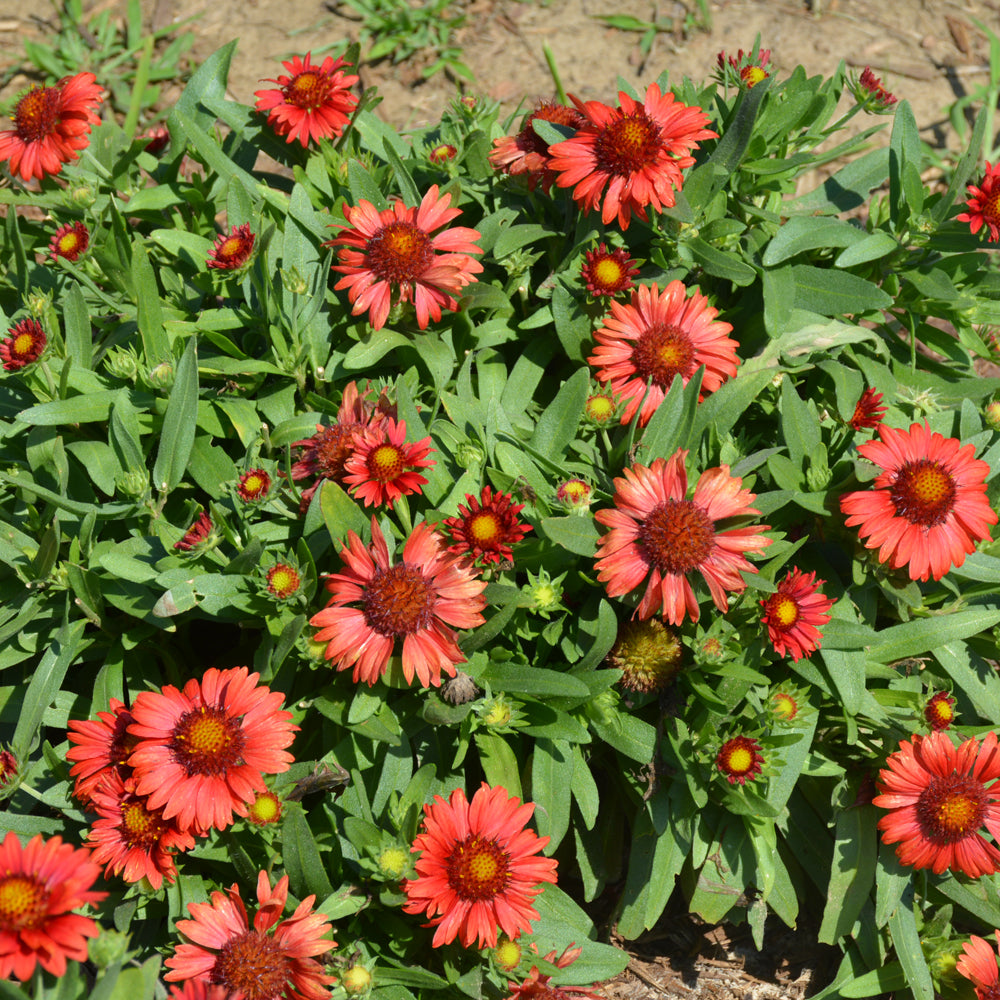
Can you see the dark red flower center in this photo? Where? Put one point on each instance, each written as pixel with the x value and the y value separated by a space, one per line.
pixel 140 828
pixel 332 447
pixel 991 207
pixel 24 903
pixel 628 144
pixel 254 965
pixel 951 807
pixel 782 611
pixel 399 601
pixel 399 251
pixel 677 536
pixel 991 992
pixel 923 493
pixel 308 90
pixel 208 741
pixel 386 463
pixel 478 869
pixel 662 352
pixel 37 113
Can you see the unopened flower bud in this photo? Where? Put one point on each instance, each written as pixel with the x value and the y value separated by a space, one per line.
pixel 991 414
pixel 506 956
pixel 161 376
pixel 132 483
pixel 356 980
pixel 394 862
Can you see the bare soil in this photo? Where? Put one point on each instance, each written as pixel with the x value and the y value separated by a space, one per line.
pixel 930 52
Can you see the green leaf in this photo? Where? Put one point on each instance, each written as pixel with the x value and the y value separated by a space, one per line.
pixel 848 188
pixel 888 979
pixel 963 169
pixel 976 678
pixel 306 873
pixel 574 327
pixel 558 422
pixel 584 788
pixel 340 513
pixel 76 321
pixel 891 879
pixel 799 425
pixel 551 784
pixel 835 293
pixel 724 407
pixel 575 534
pixel 802 233
pixel 155 343
pixel 670 426
pixel 91 407
pixel 516 679
pixel 904 150
pixel 906 939
pixel 874 246
pixel 179 423
pixel 915 637
pixel 499 762
pixel 853 872
pixel 45 684
pixel 719 263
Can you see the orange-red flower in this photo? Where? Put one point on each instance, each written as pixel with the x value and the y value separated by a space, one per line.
pixel 940 711
pixel 260 962
pixel 231 251
pixel 203 751
pixel 39 885
pixel 537 986
pixel 312 103
pixel 129 838
pixel 393 249
pixel 978 964
pixel 527 153
pixel 749 69
pixel 984 205
pixel 8 767
pixel 254 485
pixel 869 92
pixel 25 344
pixel 196 534
pixel 659 537
pixel 656 336
pixel 608 272
pixel 327 451
pixel 794 613
pixel 868 411
pixel 739 760
pixel 928 507
pixel 70 241
pixel 415 599
pixel 488 527
pixel 283 581
pixel 51 125
pixel 380 470
pixel 442 153
pixel 101 747
pixel 938 798
pixel 478 871
pixel 632 155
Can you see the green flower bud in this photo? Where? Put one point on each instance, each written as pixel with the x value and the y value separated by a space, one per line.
pixel 357 980
pixel 132 483
pixel 109 947
pixel 161 376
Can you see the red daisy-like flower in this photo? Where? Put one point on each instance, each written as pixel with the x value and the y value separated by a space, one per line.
pixel 129 838
pixel 750 70
pixel 25 344
pixel 656 336
pixel 658 537
pixel 540 987
pixel 632 155
pixel 312 103
pixel 203 751
pixel 575 494
pixel 928 507
pixel 327 451
pixel 51 124
pixel 868 411
pixel 794 614
pixel 255 484
pixel 527 153
pixel 978 964
pixel 157 139
pixel 940 711
pixel 938 797
pixel 283 581
pixel 39 885
pixel 231 252
pixel 394 249
pixel 487 528
pixel 442 153
pixel 869 92
pixel 381 468
pixel 262 962
pixel 608 272
pixel 984 205
pixel 100 748
pixel 196 534
pixel 70 242
pixel 415 599
pixel 8 767
pixel 478 872
pixel 739 760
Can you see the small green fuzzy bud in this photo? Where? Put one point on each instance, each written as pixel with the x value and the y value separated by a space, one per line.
pixel 544 595
pixel 82 195
pixel 293 281
pixel 506 956
pixel 393 862
pixel 991 414
pixel 38 304
pixel 603 707
pixel 818 474
pixel 161 376
pixel 470 455
pixel 133 483
pixel 357 981
pixel 498 712
pixel 109 947
pixel 122 362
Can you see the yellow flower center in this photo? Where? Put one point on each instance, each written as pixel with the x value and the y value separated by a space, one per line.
pixel 478 869
pixel 69 243
pixel 308 90
pixel 662 352
pixel 784 706
pixel 23 903
pixel 600 408
pixel 139 827
pixel 608 271
pixel 752 75
pixel 385 463
pixel 23 343
pixel 782 610
pixel 282 581
pixel 485 528
pixel 266 808
pixel 951 807
pixel 739 760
